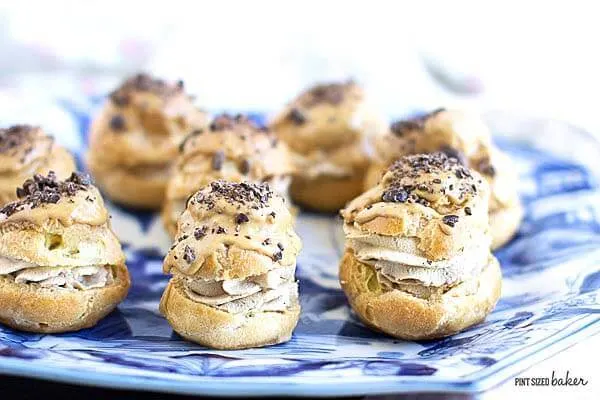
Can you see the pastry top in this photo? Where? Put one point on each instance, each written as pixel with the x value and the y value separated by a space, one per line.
pixel 460 135
pixel 143 122
pixel 430 197
pixel 232 148
pixel 327 117
pixel 454 132
pixel 233 231
pixel 58 223
pixel 21 146
pixel 26 150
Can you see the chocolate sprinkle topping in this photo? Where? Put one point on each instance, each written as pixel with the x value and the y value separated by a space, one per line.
pixel 188 137
pixel 46 190
pixel 119 99
pixel 277 256
pixel 468 211
pixel 395 195
pixel 485 167
pixel 117 123
pixel 245 167
pixel 14 136
pixel 399 128
pixel 188 254
pixel 225 121
pixel 450 220
pixel 280 245
pixel 199 233
pixel 412 167
pixel 332 93
pixel 218 159
pixel 296 116
pixel 252 195
pixel 454 153
pixel 145 83
pixel 241 218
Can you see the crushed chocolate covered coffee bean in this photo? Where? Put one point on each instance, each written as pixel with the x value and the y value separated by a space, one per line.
pixel 218 160
pixel 248 194
pixel 296 116
pixel 117 123
pixel 450 220
pixel 46 190
pixel 188 254
pixel 15 136
pixel 245 167
pixel 199 233
pixel 241 218
pixel 395 195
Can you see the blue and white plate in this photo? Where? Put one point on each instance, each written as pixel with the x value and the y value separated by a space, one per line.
pixel 549 301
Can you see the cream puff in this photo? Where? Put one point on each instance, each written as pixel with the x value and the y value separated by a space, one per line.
pixel 26 150
pixel 232 265
pixel 329 129
pixel 467 138
pixel 136 137
pixel 233 149
pixel 61 266
pixel 417 263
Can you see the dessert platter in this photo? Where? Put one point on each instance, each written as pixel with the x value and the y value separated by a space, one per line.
pixel 257 255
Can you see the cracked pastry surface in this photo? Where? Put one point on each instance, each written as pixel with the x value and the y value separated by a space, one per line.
pixel 330 130
pixel 467 138
pixel 61 266
pixel 26 150
pixel 136 136
pixel 233 265
pixel 232 148
pixel 417 262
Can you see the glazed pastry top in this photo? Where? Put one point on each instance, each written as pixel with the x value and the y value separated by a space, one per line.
pixel 330 129
pixel 430 197
pixel 58 223
pixel 143 122
pixel 245 228
pixel 232 148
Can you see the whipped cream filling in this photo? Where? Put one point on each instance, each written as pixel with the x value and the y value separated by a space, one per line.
pixel 398 260
pixel 81 278
pixel 274 291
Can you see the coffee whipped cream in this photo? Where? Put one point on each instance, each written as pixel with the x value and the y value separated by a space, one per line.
pixel 399 260
pixel 274 291
pixel 81 278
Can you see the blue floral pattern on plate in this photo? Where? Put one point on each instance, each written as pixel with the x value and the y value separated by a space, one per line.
pixel 550 300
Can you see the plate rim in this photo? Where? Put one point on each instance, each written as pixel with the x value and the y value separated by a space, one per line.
pixel 264 386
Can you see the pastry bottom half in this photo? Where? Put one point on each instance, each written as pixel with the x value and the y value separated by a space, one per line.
pixel 218 329
pixel 406 316
pixel 29 307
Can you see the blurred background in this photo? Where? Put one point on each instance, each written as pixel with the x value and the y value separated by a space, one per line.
pixel 538 58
